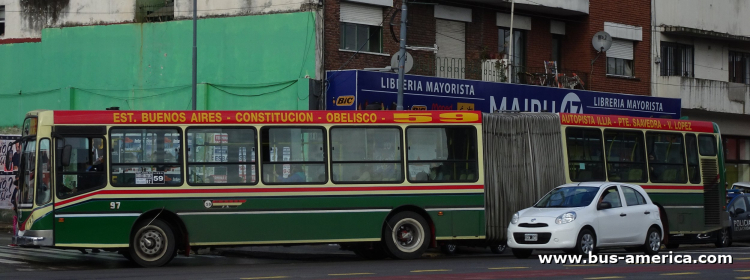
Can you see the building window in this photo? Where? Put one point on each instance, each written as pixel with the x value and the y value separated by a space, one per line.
pixel 737 155
pixel 2 21
pixel 360 37
pixel 676 59
pixel 519 50
pixel 361 27
pixel 557 50
pixel 620 58
pixel 155 11
pixel 739 67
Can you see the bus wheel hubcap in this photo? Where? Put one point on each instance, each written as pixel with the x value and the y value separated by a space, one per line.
pixel 152 243
pixel 408 235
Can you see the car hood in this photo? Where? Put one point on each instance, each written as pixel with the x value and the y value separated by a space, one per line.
pixel 546 212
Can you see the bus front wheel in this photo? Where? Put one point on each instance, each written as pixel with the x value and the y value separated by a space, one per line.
pixel 153 244
pixel 406 235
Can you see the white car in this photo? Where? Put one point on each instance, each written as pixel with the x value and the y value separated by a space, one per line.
pixel 580 218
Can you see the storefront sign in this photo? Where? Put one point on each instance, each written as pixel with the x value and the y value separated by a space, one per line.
pixel 431 93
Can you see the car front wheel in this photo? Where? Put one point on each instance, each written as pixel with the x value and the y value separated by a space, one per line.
pixel 653 242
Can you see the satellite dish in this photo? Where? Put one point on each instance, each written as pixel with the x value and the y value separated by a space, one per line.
pixel 407 66
pixel 601 41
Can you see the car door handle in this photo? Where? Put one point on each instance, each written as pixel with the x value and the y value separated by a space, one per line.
pixel 647 212
pixel 623 215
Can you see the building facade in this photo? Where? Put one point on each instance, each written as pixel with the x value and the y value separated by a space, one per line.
pixel 472 40
pixel 701 54
pixel 137 55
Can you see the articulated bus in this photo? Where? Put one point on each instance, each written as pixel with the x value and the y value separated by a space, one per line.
pixel 150 184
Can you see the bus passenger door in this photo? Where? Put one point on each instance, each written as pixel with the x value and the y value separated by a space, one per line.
pixel 79 169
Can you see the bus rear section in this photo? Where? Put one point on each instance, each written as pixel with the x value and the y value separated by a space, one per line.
pixel 678 162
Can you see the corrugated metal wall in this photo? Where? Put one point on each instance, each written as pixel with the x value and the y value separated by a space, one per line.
pixel 523 160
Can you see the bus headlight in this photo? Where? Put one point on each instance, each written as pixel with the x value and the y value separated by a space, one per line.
pixel 566 218
pixel 514 220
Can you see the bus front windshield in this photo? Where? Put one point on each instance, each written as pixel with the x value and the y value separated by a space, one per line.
pixel 568 197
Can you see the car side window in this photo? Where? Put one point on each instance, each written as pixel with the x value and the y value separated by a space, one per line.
pixel 739 203
pixel 632 197
pixel 612 196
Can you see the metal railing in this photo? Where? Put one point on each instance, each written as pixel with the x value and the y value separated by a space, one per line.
pixel 497 70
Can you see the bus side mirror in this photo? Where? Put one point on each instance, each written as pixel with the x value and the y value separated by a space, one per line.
pixel 604 205
pixel 65 155
pixel 8 160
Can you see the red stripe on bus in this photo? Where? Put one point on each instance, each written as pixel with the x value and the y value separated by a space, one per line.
pixel 280 190
pixel 673 187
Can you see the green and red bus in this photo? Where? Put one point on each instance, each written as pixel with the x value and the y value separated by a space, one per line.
pixel 150 184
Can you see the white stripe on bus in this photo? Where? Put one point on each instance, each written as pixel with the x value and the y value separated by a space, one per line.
pixel 285 212
pixel 98 215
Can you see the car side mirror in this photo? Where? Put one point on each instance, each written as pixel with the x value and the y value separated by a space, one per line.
pixel 603 205
pixel 739 211
pixel 8 160
pixel 65 155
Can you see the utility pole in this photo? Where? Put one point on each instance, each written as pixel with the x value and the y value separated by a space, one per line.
pixel 195 54
pixel 401 59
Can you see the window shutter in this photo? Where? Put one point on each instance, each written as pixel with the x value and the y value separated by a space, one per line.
pixel 361 14
pixel 451 38
pixel 621 49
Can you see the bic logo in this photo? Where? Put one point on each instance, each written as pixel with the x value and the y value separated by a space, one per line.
pixel 571 104
pixel 345 100
pixel 419 107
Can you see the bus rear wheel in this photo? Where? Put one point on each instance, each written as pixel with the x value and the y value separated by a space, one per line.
pixel 153 244
pixel 405 235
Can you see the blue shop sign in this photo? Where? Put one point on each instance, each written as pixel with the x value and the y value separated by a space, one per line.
pixel 355 89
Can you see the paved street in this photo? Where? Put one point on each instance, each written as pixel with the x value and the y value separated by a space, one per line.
pixel 327 262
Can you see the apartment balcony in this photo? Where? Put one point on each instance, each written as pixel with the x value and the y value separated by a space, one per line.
pixel 497 70
pixel 708 95
pixel 550 7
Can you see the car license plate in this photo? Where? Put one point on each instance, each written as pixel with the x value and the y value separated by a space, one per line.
pixel 531 237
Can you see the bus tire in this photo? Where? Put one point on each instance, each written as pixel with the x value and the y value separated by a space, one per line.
pixel 406 235
pixel 153 244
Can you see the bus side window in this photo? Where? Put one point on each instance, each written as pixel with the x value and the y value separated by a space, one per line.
pixel 666 157
pixel 293 155
pixel 86 169
pixel 707 143
pixel 626 156
pixel 442 154
pixel 692 157
pixel 146 157
pixel 585 156
pixel 366 155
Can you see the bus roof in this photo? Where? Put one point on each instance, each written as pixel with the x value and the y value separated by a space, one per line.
pixel 264 117
pixel 635 123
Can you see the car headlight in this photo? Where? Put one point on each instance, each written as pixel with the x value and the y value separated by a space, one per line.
pixel 514 220
pixel 566 218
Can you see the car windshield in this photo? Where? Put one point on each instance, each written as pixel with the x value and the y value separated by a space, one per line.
pixel 568 197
